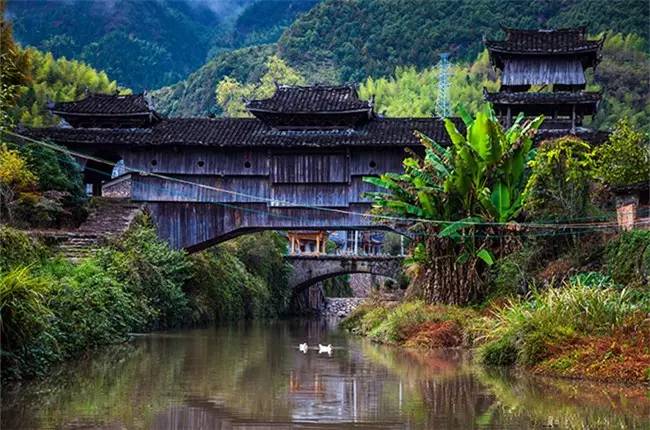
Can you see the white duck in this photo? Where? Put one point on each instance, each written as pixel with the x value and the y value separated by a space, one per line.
pixel 327 349
pixel 303 347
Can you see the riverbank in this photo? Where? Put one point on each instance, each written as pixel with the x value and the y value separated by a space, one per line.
pixel 575 332
pixel 53 310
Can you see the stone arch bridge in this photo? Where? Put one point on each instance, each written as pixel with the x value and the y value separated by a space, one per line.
pixel 311 269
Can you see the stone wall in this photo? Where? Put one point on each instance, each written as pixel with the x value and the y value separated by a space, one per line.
pixel 340 307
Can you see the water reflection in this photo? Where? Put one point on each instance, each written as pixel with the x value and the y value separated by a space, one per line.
pixel 252 376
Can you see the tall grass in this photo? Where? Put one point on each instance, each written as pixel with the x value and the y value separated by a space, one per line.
pixel 522 330
pixel 23 310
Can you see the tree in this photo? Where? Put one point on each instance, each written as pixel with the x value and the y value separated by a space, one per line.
pixel 558 187
pixel 58 80
pixel 623 77
pixel 625 158
pixel 458 196
pixel 232 94
pixel 14 68
pixel 14 177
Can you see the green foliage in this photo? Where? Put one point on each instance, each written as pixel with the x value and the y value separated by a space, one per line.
pixel 91 308
pixel 23 310
pixel 622 77
pixel 56 310
pixel 625 158
pixel 628 258
pixel 339 286
pixel 150 270
pixel 373 37
pixel 194 96
pixel 231 94
pixel 479 179
pixel 264 21
pixel 142 44
pixel 412 93
pixel 393 328
pixel 548 317
pixel 512 273
pixel 15 178
pixel 558 187
pixel 18 249
pixel 55 80
pixel 592 280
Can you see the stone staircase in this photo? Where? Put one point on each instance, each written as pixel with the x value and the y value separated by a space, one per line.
pixel 108 217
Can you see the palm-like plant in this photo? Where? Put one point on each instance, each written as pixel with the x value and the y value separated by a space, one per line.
pixel 477 182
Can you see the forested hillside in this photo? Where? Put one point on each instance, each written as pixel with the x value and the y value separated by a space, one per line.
pixel 371 37
pixel 350 41
pixel 149 44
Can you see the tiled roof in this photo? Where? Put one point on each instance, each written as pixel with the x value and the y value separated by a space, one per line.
pixel 312 99
pixel 105 104
pixel 559 97
pixel 561 41
pixel 240 132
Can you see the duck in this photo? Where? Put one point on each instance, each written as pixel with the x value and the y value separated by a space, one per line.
pixel 323 348
pixel 303 347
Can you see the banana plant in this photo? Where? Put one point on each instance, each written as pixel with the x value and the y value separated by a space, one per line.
pixel 478 179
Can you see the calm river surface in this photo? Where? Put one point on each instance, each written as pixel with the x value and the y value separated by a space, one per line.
pixel 252 376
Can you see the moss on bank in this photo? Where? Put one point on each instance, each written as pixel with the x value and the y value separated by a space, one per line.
pixel 52 310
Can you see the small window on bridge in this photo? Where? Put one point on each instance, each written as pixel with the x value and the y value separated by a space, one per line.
pixel 247 164
pixel 372 164
pixel 200 163
pixel 154 162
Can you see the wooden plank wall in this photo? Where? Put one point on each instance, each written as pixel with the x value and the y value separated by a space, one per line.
pixel 193 217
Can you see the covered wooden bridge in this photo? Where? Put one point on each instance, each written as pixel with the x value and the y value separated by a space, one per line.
pixel 298 164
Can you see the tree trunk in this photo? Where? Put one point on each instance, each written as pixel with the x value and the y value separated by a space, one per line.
pixel 442 279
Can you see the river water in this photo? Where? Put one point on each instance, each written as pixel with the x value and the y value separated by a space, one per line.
pixel 251 375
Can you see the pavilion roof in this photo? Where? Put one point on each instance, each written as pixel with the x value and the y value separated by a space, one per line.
pixel 548 98
pixel 105 104
pixel 311 99
pixel 553 41
pixel 249 132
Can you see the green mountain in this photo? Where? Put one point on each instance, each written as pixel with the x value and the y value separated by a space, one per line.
pixel 146 44
pixel 347 41
pixel 371 37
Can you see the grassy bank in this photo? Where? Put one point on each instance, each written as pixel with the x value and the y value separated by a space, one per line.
pixel 595 325
pixel 53 310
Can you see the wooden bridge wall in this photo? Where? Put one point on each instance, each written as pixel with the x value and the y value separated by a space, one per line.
pixel 192 217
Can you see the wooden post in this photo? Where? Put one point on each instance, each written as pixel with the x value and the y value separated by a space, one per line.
pixel 573 119
pixel 401 245
pixel 509 118
pixel 356 242
pixel 318 244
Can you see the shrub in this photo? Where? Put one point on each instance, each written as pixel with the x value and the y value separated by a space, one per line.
pixel 628 258
pixel 625 158
pixel 16 248
pixel 91 309
pixel 217 286
pixel 152 271
pixel 558 187
pixel 511 274
pixel 263 255
pixel 23 308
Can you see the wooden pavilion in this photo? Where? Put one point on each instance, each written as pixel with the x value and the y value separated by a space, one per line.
pixel 543 72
